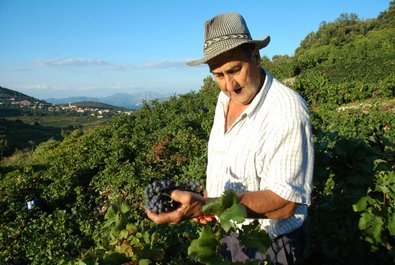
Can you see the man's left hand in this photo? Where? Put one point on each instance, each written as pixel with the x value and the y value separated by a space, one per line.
pixel 191 205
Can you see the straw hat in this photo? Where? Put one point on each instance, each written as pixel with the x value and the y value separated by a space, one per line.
pixel 223 33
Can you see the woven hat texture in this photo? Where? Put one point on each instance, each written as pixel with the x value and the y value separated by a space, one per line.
pixel 223 33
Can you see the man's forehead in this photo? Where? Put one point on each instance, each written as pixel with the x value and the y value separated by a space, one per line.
pixel 230 56
pixel 226 66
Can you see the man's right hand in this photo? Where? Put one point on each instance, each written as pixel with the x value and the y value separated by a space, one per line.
pixel 205 219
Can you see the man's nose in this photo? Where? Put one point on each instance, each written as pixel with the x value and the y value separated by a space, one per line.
pixel 230 82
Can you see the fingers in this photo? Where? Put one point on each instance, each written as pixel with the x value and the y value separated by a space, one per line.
pixel 205 219
pixel 162 218
pixel 186 197
pixel 190 206
pixel 173 217
pixel 209 218
pixel 183 197
pixel 155 217
pixel 176 195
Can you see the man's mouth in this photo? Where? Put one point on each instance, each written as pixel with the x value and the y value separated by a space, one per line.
pixel 238 91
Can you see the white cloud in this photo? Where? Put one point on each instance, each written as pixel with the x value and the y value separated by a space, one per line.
pixel 162 64
pixel 72 62
pixel 31 86
pixel 85 62
pixel 82 62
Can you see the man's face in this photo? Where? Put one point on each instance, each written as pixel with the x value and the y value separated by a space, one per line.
pixel 238 74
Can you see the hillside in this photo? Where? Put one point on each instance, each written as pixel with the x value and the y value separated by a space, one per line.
pixel 11 98
pixel 349 47
pixel 6 94
pixel 95 105
pixel 88 189
pixel 347 60
pixel 25 121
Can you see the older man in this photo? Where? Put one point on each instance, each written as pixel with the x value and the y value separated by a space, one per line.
pixel 261 142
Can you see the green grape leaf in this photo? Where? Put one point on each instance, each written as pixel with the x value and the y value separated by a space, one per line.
pixel 124 207
pixel 235 214
pixel 362 204
pixel 213 207
pixel 204 247
pixel 123 234
pixel 131 228
pixel 372 227
pixel 252 236
pixel 145 262
pixel 218 205
pixel 111 214
pixel 228 199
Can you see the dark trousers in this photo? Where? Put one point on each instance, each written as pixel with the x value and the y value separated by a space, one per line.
pixel 285 249
pixel 288 249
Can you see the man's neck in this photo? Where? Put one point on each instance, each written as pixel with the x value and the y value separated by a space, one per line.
pixel 233 113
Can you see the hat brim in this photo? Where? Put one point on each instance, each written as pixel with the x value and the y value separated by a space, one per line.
pixel 258 43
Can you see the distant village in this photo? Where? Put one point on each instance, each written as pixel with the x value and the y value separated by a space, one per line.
pixel 40 105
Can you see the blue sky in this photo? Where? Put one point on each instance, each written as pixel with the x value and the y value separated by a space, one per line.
pixel 97 48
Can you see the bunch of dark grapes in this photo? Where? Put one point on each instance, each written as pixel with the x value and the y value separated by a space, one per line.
pixel 157 194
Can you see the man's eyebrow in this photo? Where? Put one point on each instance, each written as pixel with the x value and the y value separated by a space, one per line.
pixel 215 71
pixel 230 69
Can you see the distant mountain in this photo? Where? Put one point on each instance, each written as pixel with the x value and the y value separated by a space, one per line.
pixel 95 105
pixel 10 97
pixel 130 101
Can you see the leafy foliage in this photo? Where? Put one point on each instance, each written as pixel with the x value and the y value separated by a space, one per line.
pixel 228 231
pixel 89 186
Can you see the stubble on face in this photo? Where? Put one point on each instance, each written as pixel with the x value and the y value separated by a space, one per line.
pixel 244 75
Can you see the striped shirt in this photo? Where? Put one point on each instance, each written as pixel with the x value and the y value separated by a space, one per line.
pixel 269 146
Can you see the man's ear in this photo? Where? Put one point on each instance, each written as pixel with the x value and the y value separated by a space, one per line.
pixel 258 58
